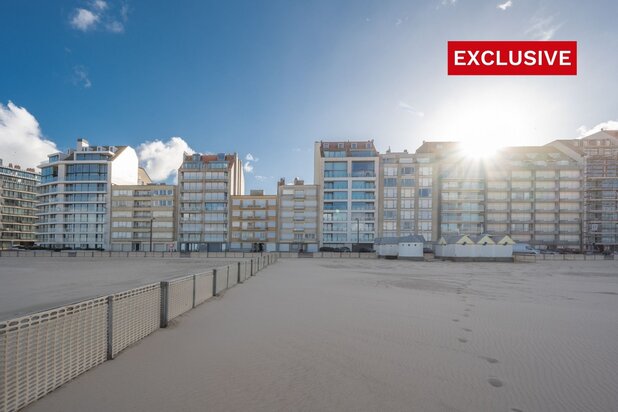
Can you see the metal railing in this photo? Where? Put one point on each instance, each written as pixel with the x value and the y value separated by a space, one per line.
pixel 42 351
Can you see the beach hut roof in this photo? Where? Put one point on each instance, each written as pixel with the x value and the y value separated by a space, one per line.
pixel 482 240
pixel 412 238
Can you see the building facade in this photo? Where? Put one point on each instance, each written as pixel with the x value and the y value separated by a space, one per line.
pixel 347 174
pixel 406 203
pixel 205 185
pixel 74 196
pixel 254 222
pixel 298 228
pixel 534 194
pixel 17 206
pixel 601 189
pixel 144 218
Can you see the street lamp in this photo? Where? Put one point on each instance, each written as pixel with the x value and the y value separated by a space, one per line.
pixel 357 234
pixel 151 220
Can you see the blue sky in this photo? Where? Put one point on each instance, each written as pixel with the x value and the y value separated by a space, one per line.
pixel 269 78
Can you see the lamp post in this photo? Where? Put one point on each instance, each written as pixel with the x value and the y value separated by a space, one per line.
pixel 357 234
pixel 151 220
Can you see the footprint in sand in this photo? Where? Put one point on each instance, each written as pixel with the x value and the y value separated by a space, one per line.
pixel 516 410
pixel 488 359
pixel 495 382
pixel 455 320
pixel 462 340
pixel 467 330
pixel 467 310
pixel 465 315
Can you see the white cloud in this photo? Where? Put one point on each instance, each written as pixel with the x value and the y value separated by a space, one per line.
pixel 84 20
pixel 162 159
pixel 608 125
pixel 447 3
pixel 99 4
pixel 543 28
pixel 405 106
pixel 505 5
pixel 115 26
pixel 80 77
pixel 21 139
pixel 248 167
pixel 249 161
pixel 100 14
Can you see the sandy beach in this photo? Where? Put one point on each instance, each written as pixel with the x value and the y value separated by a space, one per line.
pixel 350 335
pixel 29 285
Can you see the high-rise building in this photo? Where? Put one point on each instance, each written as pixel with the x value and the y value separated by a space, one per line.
pixel 254 222
pixel 347 175
pixel 298 216
pixel 205 184
pixel 144 217
pixel 533 194
pixel 17 205
pixel 601 189
pixel 75 194
pixel 406 200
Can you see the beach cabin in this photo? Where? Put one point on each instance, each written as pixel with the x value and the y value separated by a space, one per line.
pixel 387 247
pixel 411 247
pixel 455 247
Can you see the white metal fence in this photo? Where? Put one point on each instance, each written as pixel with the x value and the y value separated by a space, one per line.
pixel 42 351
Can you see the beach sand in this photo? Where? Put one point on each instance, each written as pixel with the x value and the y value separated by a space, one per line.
pixel 29 285
pixel 375 335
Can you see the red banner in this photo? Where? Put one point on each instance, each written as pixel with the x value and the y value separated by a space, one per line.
pixel 508 58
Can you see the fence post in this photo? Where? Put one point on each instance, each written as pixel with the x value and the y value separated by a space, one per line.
pixel 110 329
pixel 194 281
pixel 238 273
pixel 251 271
pixel 227 278
pixel 214 282
pixel 164 290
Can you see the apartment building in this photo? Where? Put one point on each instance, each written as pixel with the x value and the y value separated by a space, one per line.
pixel 347 173
pixel 74 197
pixel 601 189
pixel 254 222
pixel 205 184
pixel 406 200
pixel 144 217
pixel 17 205
pixel 297 216
pixel 533 194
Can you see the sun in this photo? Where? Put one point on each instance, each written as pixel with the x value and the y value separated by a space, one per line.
pixel 479 148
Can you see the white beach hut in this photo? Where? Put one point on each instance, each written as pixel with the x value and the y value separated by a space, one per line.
pixel 455 247
pixel 411 247
pixel 387 247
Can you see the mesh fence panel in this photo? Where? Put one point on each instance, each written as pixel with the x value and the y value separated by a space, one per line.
pixel 42 351
pixel 179 296
pixel 233 275
pixel 136 314
pixel 221 279
pixel 203 287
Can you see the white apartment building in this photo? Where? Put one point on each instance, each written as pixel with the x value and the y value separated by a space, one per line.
pixel 298 228
pixel 347 174
pixel 75 194
pixel 205 185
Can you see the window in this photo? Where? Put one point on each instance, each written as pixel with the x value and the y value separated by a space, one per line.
pixel 424 192
pixel 390 182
